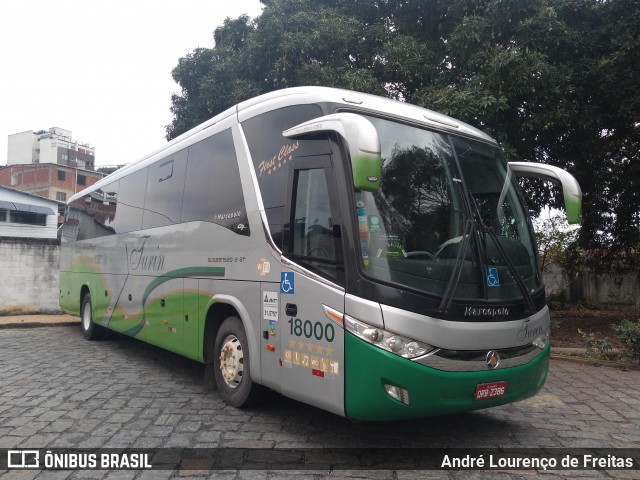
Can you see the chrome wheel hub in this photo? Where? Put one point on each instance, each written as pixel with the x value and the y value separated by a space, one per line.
pixel 231 361
pixel 86 317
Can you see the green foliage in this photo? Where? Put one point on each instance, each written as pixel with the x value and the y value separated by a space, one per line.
pixel 554 81
pixel 555 325
pixel 597 348
pixel 628 332
pixel 555 239
pixel 558 301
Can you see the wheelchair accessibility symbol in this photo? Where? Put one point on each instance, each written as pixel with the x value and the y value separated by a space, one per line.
pixel 492 277
pixel 287 283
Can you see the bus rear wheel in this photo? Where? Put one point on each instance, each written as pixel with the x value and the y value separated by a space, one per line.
pixel 90 330
pixel 231 365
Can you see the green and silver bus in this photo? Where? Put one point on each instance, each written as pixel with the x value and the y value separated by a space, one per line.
pixel 365 256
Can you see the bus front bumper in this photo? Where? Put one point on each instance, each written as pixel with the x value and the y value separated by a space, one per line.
pixel 430 392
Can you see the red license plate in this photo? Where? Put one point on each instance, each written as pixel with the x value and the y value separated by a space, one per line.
pixel 490 390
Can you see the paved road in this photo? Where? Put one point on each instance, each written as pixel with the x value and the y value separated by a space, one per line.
pixel 58 390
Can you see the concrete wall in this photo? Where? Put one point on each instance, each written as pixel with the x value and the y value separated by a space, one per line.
pixel 29 272
pixel 604 291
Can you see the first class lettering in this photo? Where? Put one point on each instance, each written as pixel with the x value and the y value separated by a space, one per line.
pixel 284 156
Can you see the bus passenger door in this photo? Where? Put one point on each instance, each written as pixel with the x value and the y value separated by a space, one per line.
pixel 311 296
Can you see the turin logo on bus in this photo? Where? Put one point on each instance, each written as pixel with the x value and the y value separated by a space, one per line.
pixel 137 259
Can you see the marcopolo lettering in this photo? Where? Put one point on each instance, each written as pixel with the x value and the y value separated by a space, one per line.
pixel 486 312
pixel 226 216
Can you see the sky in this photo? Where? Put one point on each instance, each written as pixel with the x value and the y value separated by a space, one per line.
pixel 101 69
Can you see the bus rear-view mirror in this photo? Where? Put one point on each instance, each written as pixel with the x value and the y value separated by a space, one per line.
pixel 362 141
pixel 570 187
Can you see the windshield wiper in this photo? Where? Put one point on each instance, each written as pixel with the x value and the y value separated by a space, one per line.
pixel 470 228
pixel 447 296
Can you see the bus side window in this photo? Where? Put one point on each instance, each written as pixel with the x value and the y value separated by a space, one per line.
pixel 71 225
pixel 273 155
pixel 131 202
pixel 165 188
pixel 212 189
pixel 92 216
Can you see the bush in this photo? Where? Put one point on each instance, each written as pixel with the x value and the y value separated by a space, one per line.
pixel 628 332
pixel 597 348
pixel 557 301
pixel 555 325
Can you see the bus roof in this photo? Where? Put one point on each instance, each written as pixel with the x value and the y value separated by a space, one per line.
pixel 306 95
pixel 356 100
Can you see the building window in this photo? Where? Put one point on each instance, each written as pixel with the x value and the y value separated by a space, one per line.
pixel 27 218
pixel 14 179
pixel 62 176
pixel 65 156
pixel 82 180
pixel 61 196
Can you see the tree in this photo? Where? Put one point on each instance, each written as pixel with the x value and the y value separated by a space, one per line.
pixel 553 81
pixel 556 241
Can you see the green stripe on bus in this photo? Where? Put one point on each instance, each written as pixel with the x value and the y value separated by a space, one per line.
pixel 132 332
pixel 182 272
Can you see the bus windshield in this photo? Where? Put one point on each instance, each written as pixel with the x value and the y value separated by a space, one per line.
pixel 447 207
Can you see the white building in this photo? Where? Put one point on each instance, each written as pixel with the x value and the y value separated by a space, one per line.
pixel 23 215
pixel 53 146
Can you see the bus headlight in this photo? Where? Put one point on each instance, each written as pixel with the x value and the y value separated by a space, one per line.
pixel 541 341
pixel 391 342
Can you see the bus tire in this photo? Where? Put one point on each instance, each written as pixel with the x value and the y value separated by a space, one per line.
pixel 90 330
pixel 232 367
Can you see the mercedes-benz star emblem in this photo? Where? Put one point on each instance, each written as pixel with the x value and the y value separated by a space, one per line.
pixel 493 359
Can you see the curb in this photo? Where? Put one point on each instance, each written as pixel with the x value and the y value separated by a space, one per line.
pixel 592 363
pixel 7 326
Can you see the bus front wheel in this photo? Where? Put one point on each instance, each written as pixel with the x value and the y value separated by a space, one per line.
pixel 90 330
pixel 231 365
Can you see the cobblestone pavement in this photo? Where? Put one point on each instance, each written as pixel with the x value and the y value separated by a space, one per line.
pixel 58 390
